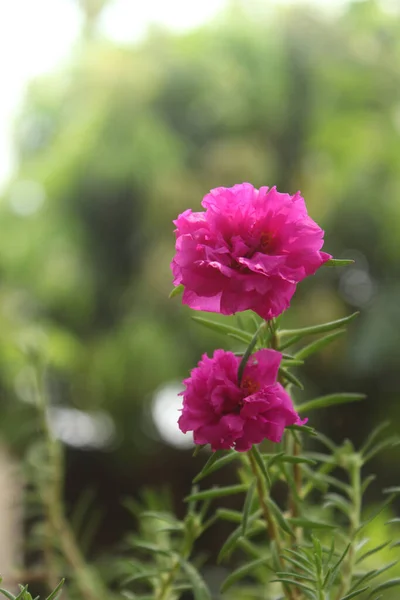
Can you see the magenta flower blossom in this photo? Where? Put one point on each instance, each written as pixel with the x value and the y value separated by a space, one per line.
pixel 248 250
pixel 225 414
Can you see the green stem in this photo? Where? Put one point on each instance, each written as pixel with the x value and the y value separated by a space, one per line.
pixel 355 518
pixel 271 526
pixel 249 350
pixel 274 341
pixel 51 491
pixel 168 581
pixel 298 484
pixel 166 584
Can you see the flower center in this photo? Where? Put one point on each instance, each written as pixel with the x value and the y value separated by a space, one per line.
pixel 249 386
pixel 265 242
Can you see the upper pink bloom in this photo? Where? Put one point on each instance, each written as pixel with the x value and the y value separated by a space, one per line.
pixel 225 414
pixel 248 250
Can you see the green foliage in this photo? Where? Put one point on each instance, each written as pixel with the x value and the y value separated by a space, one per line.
pixel 324 502
pixel 162 551
pixel 25 595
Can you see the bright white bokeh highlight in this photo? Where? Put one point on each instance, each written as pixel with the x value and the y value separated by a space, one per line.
pixel 84 430
pixel 165 412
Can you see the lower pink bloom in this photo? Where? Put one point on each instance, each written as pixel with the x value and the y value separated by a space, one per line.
pixel 225 414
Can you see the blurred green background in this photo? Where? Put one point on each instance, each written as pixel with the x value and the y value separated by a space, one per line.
pixel 119 140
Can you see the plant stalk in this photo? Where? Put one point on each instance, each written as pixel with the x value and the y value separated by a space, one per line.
pixel 271 526
pixel 355 518
pixel 58 527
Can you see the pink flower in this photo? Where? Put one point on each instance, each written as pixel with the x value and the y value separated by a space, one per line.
pixel 248 250
pixel 225 414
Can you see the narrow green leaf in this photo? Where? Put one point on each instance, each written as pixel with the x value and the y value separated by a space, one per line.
pixel 200 590
pixel 387 443
pixel 192 504
pixel 371 552
pixel 354 594
pixel 297 584
pixel 335 569
pixel 248 351
pixel 236 535
pixel 373 575
pixel 234 516
pixel 290 378
pixel 7 594
pixel 327 575
pixel 327 442
pixel 318 345
pixel 215 457
pixel 280 519
pixel 247 506
pixel 171 528
pixel 294 460
pixel 146 575
pixel 289 342
pixel 367 481
pixel 309 524
pixel 176 291
pixel 313 329
pixel 212 459
pixel 182 587
pixel 209 522
pixel 290 480
pixel 253 550
pixel 261 464
pixel 256 320
pixel 329 400
pixel 296 575
pixel 395 521
pixel 300 556
pixel 376 513
pixel 147 546
pixel 244 336
pixel 338 502
pixel 292 362
pixel 298 564
pixel 321 457
pixel 54 593
pixel 338 262
pixel 160 516
pixel 373 435
pixel 217 492
pixel 331 552
pixel 392 490
pixel 243 571
pixel 386 585
pixel 238 337
pixel 334 482
pixel 23 593
pixel 363 579
pixel 215 465
pixel 198 449
pixel 273 458
pixel 303 429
